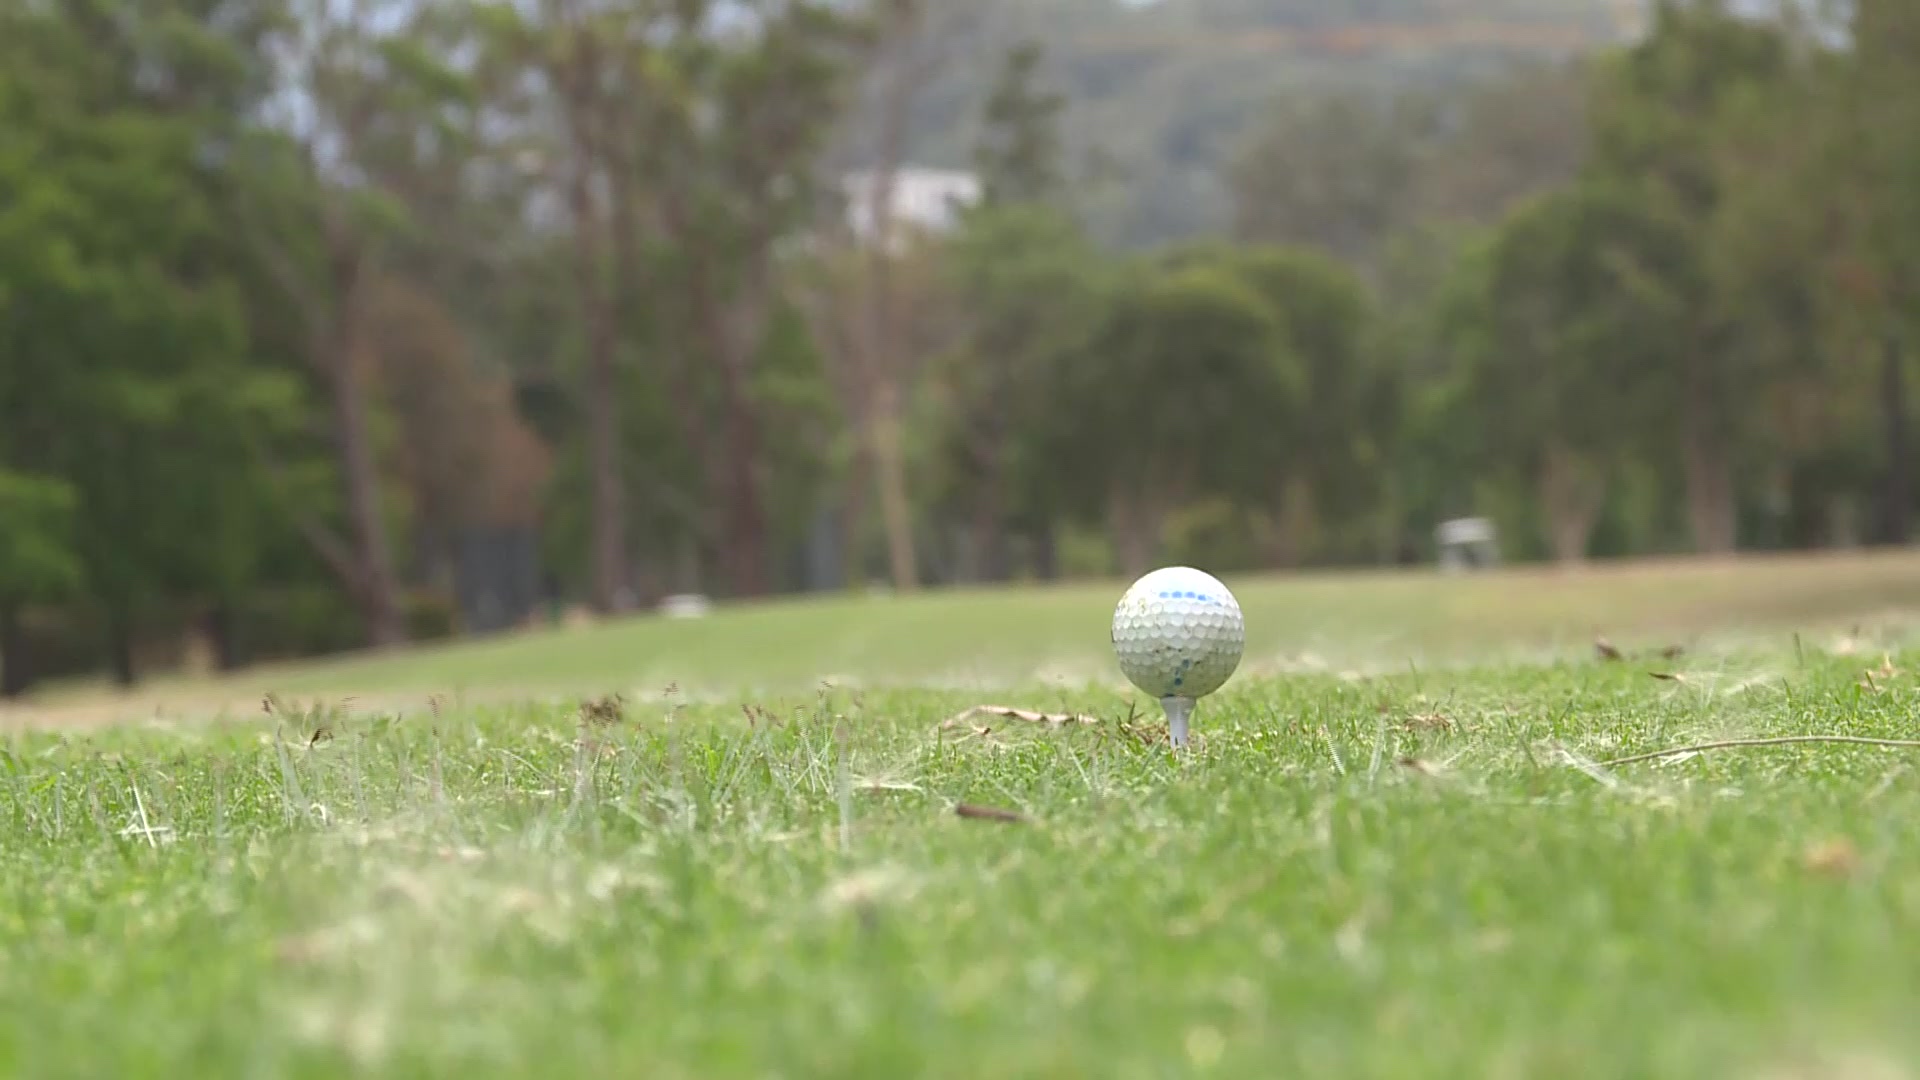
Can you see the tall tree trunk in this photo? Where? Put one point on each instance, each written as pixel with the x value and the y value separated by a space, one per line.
pixel 120 644
pixel 608 548
pixel 744 535
pixel 1390 538
pixel 376 592
pixel 853 515
pixel 334 319
pixel 988 450
pixel 1136 532
pixel 1841 522
pixel 990 525
pixel 1710 506
pixel 16 666
pixel 1896 511
pixel 1046 552
pixel 227 652
pixel 610 588
pixel 1293 525
pixel 879 369
pixel 1708 470
pixel 890 476
pixel 686 571
pixel 1572 492
pixel 732 331
pixel 825 567
pixel 882 363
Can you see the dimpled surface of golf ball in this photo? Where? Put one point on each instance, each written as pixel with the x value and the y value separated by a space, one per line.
pixel 1178 633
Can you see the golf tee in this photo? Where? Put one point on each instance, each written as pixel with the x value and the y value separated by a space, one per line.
pixel 1179 711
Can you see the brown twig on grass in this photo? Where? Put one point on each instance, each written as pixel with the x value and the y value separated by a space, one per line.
pixel 990 813
pixel 1782 740
pixel 1029 715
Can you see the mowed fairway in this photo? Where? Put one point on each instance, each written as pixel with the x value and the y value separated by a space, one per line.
pixel 1055 639
pixel 1395 851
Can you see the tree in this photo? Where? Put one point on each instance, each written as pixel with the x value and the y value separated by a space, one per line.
pixel 1330 448
pixel 1660 108
pixel 1431 430
pixel 1862 166
pixel 1508 136
pixel 126 378
pixel 466 456
pixel 874 387
pixel 1345 171
pixel 1174 397
pixel 878 299
pixel 1032 291
pixel 678 141
pixel 1027 281
pixel 582 60
pixel 1333 172
pixel 37 562
pixel 1019 152
pixel 740 124
pixel 577 92
pixel 860 310
pixel 1565 323
pixel 358 140
pixel 1773 255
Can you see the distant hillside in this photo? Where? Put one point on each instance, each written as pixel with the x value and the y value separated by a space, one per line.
pixel 1162 93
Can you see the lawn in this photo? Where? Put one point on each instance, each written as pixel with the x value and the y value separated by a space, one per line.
pixel 985 641
pixel 1396 849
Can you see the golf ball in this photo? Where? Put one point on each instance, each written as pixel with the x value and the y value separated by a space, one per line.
pixel 1178 633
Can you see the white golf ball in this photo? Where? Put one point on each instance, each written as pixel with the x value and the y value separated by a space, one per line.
pixel 1178 633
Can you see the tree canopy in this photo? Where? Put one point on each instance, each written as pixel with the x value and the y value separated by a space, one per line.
pixel 325 326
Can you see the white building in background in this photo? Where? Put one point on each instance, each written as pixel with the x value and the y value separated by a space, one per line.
pixel 922 199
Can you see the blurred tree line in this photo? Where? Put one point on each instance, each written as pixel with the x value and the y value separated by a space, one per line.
pixel 326 324
pixel 1159 95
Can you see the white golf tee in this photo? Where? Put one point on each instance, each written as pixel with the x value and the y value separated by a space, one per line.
pixel 1179 711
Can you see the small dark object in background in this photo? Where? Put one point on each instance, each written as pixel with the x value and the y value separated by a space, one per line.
pixel 990 813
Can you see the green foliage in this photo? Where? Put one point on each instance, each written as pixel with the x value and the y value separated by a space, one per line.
pixel 127 379
pixel 1658 103
pixel 1574 328
pixel 1350 171
pixel 1567 329
pixel 1336 435
pixel 1330 172
pixel 292 622
pixel 1216 532
pixel 791 390
pixel 1034 291
pixel 1179 391
pixel 1663 290
pixel 736 125
pixel 36 546
pixel 1018 157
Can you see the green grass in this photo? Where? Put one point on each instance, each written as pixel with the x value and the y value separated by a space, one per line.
pixel 1417 872
pixel 989 640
